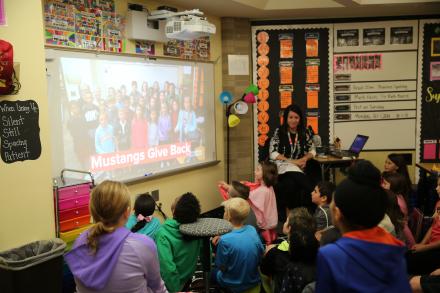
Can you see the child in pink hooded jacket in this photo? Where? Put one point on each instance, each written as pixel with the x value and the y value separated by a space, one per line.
pixel 262 199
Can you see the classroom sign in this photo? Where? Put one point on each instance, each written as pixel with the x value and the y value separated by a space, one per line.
pixel 19 131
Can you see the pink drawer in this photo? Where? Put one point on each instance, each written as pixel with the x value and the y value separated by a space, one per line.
pixel 74 223
pixel 73 203
pixel 74 213
pixel 73 191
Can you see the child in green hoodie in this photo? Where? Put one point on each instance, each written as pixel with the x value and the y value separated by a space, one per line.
pixel 178 254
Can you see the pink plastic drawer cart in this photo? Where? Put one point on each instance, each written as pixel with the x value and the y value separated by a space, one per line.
pixel 71 202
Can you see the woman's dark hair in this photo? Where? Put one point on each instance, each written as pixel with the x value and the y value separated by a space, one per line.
pixel 300 130
pixel 144 205
pixel 326 188
pixel 397 184
pixel 393 211
pixel 270 173
pixel 303 246
pixel 187 209
pixel 301 126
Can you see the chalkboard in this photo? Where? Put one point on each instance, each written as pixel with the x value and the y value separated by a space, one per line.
pixel 19 131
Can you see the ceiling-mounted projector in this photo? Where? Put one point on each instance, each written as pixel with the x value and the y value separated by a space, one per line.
pixel 186 25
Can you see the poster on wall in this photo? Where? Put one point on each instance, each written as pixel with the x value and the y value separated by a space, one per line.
pixel 430 94
pixel 374 36
pixel 401 35
pixel 349 37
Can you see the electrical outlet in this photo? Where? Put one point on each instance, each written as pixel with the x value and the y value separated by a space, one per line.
pixel 155 194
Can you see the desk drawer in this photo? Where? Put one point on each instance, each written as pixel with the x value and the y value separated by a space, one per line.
pixel 74 223
pixel 73 191
pixel 73 203
pixel 74 213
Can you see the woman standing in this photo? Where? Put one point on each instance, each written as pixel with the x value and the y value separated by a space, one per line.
pixel 290 148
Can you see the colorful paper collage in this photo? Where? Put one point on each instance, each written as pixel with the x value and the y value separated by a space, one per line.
pixel 88 42
pixel 85 24
pixel 60 38
pixel 195 49
pixel 144 47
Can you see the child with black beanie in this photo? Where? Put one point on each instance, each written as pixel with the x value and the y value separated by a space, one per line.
pixel 366 258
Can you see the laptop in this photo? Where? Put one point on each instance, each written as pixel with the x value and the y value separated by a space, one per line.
pixel 354 150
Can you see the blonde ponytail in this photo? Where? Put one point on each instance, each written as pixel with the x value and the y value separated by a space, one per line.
pixel 108 202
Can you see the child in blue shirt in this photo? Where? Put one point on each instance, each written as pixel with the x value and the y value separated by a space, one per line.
pixel 239 251
pixel 142 221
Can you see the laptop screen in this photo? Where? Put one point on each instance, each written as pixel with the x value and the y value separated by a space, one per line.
pixel 358 144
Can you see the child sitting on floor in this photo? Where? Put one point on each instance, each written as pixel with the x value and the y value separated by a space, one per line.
pixel 262 199
pixel 238 189
pixel 178 254
pixel 239 251
pixel 142 221
pixel 425 256
pixel 322 197
pixel 366 258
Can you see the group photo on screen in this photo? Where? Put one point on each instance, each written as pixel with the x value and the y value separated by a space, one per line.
pixel 127 119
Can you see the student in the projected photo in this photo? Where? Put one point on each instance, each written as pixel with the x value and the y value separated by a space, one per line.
pixel 164 124
pixel 123 90
pixel 112 110
pixel 122 130
pixel 153 103
pixel 144 89
pixel 153 129
pixel 134 94
pixel 174 113
pixel 155 89
pixel 171 91
pixel 139 130
pixel 91 115
pixel 104 136
pixel 162 98
pixel 76 125
pixel 186 122
pixel 290 148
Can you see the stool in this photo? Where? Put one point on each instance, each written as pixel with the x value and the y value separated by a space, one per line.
pixel 205 228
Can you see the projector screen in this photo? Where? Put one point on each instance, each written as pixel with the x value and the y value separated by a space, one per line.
pixel 125 118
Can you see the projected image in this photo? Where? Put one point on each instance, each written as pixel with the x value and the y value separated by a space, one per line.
pixel 125 120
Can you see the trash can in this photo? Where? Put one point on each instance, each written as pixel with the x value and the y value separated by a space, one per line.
pixel 33 267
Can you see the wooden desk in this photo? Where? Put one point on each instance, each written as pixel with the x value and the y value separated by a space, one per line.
pixel 329 162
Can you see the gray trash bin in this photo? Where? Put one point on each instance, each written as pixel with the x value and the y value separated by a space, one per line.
pixel 33 267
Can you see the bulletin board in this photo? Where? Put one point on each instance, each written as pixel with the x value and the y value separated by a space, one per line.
pixel 291 65
pixel 429 108
pixel 374 91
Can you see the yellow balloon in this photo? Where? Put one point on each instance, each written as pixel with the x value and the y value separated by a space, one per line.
pixel 233 120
